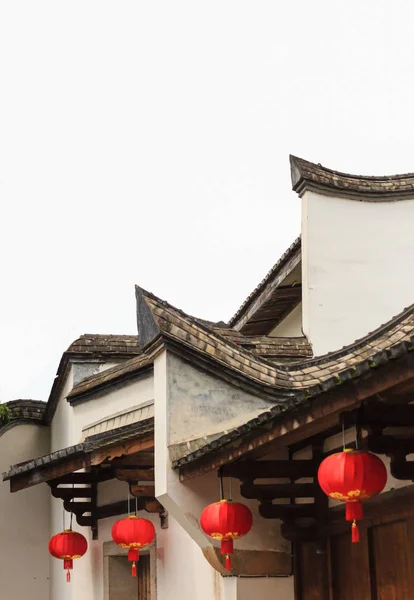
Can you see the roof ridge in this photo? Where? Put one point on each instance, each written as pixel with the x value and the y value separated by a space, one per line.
pixel 281 382
pixel 350 175
pixel 208 330
pixel 106 335
pixel 382 188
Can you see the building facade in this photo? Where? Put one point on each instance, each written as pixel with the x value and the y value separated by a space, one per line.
pixel 148 422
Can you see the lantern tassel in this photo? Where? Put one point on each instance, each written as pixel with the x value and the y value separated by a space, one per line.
pixel 68 564
pixel 355 532
pixel 354 511
pixel 226 550
pixel 134 570
pixel 133 555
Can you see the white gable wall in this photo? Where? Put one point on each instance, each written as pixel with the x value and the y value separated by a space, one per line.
pixel 69 421
pixel 291 326
pixel 24 519
pixel 112 402
pixel 356 267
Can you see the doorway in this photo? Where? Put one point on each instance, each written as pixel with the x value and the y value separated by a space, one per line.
pixel 122 586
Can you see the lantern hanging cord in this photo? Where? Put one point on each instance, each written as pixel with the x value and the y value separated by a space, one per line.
pixel 221 484
pixel 136 506
pixel 343 431
pixel 357 425
pixel 71 512
pixel 129 503
pixel 230 491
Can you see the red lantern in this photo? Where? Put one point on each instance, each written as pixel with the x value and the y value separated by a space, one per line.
pixel 133 533
pixel 351 476
pixel 226 521
pixel 67 546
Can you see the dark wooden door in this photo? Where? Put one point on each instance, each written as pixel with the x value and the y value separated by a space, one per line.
pixel 379 567
pixel 391 554
pixel 349 568
pixel 144 577
pixel 311 576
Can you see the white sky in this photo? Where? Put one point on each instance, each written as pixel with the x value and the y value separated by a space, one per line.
pixel 148 142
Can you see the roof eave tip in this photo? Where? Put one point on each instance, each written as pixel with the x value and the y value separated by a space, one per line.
pixel 295 171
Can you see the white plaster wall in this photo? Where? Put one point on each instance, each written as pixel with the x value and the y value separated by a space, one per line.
pixel 69 421
pixel 61 426
pixel 24 520
pixel 182 571
pixel 291 326
pixel 113 401
pixel 66 430
pixel 186 500
pixel 200 404
pixel 357 262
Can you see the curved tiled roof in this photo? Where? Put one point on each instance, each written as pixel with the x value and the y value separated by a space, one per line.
pixel 389 342
pixel 272 348
pixel 275 348
pixel 109 377
pixel 24 411
pixel 310 176
pixel 285 385
pixel 101 344
pixel 31 410
pixel 90 346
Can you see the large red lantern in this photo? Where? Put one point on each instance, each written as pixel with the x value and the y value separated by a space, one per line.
pixel 67 546
pixel 352 476
pixel 226 521
pixel 133 533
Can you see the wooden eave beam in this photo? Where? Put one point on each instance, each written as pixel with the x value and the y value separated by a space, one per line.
pixel 142 490
pixel 249 470
pixel 316 416
pixel 133 446
pixel 87 477
pixel 382 415
pixel 96 457
pixel 134 475
pixel 48 472
pixel 270 491
pixel 287 512
pixel 140 460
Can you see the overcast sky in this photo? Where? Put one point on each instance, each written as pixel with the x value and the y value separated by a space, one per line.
pixel 148 142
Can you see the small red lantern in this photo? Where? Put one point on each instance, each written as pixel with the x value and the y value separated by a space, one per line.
pixel 67 546
pixel 351 476
pixel 226 521
pixel 133 533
